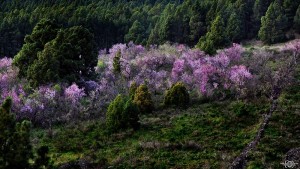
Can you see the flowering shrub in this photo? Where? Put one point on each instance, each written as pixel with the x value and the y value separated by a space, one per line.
pixel 5 63
pixel 158 67
pixel 74 93
pixel 238 74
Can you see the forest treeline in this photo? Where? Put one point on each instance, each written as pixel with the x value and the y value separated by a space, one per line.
pixel 208 24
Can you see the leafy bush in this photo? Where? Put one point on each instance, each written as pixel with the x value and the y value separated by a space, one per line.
pixel 116 63
pixel 132 90
pixel 177 95
pixel 142 98
pixel 122 113
pixel 241 108
pixel 114 113
pixel 130 114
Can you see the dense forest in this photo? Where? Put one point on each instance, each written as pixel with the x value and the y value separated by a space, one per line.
pixel 209 24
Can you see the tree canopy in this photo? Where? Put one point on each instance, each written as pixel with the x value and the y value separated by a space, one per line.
pixel 143 22
pixel 52 55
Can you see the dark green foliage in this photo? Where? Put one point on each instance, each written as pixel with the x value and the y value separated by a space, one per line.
pixel 164 28
pixel 259 9
pixel 143 22
pixel 7 124
pixel 177 95
pixel 43 160
pixel 240 108
pixel 114 114
pixel 131 114
pixel 233 29
pixel 290 8
pixel 197 28
pixel 273 25
pixel 132 90
pixel 136 33
pixel 68 57
pixel 15 148
pixel 122 113
pixel 45 68
pixel 297 20
pixel 116 62
pixel 43 32
pixel 142 98
pixel 195 135
pixel 215 38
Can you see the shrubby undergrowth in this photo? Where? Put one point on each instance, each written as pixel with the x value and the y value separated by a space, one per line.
pixel 177 95
pixel 122 113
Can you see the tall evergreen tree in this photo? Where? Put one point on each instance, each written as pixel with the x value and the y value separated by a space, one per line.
pixel 43 32
pixel 69 57
pixel 215 38
pixel 15 147
pixel 197 28
pixel 136 33
pixel 233 29
pixel 164 28
pixel 273 25
pixel 290 8
pixel 197 23
pixel 259 9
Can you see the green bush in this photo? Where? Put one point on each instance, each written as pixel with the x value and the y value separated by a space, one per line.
pixel 132 90
pixel 116 62
pixel 177 95
pixel 241 108
pixel 15 148
pixel 131 114
pixel 142 98
pixel 122 113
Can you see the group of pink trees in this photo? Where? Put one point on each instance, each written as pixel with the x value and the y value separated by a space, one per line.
pixel 42 105
pixel 160 67
pixel 157 66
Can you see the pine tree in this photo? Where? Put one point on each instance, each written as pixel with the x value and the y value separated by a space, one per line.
pixel 43 32
pixel 143 99
pixel 197 28
pixel 136 33
pixel 273 25
pixel 215 38
pixel 290 8
pixel 164 28
pixel 15 147
pixel 116 63
pixel 233 29
pixel 69 57
pixel 259 9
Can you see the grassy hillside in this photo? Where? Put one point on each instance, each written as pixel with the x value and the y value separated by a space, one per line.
pixel 206 135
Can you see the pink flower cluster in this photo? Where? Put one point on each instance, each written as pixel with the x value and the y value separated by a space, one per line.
pixel 74 93
pixel 160 67
pixel 5 63
pixel 238 74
